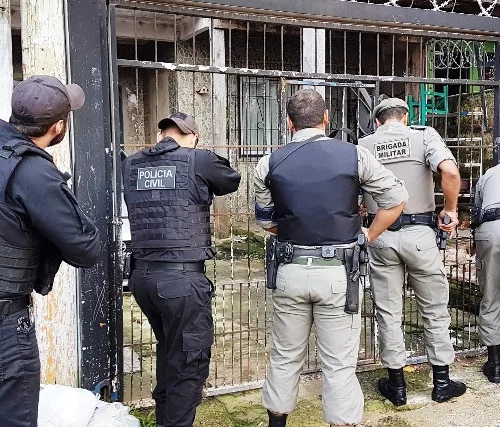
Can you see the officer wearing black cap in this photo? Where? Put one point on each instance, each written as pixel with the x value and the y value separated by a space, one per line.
pixel 41 225
pixel 408 248
pixel 168 191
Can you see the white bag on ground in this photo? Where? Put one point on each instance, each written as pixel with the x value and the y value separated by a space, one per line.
pixel 62 406
pixel 113 415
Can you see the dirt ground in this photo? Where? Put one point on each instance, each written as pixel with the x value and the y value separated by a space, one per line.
pixel 478 407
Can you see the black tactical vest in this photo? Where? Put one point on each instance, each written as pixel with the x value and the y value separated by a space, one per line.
pixel 315 192
pixel 162 211
pixel 20 249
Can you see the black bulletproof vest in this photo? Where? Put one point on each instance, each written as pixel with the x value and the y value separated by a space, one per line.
pixel 20 247
pixel 315 187
pixel 163 213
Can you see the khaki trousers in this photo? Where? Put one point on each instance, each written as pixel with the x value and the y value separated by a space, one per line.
pixel 411 250
pixel 307 294
pixel 487 237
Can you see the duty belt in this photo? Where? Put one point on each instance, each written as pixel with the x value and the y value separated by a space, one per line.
pixel 325 256
pixel 197 267
pixel 428 218
pixel 10 306
pixel 491 215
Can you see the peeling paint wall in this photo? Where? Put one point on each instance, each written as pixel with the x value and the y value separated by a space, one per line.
pixel 44 52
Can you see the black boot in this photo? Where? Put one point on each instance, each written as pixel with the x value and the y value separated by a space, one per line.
pixel 444 388
pixel 394 387
pixel 492 367
pixel 276 420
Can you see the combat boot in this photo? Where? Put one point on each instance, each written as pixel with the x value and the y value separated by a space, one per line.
pixel 394 387
pixel 444 388
pixel 492 366
pixel 276 420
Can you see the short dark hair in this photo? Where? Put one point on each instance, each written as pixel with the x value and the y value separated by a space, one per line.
pixel 396 113
pixel 306 109
pixel 30 130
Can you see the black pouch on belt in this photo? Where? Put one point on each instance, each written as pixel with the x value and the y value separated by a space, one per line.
pixel 127 265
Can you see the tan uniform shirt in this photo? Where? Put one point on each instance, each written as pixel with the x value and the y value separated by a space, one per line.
pixel 413 154
pixel 387 190
pixel 487 195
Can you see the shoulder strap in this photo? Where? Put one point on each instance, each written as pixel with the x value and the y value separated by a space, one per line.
pixel 301 144
pixel 19 147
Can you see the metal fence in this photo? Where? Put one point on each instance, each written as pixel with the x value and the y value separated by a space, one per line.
pixel 234 75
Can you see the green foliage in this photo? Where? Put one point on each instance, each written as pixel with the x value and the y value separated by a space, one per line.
pixel 145 415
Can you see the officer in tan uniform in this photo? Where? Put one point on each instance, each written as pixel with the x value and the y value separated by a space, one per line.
pixel 413 153
pixel 307 193
pixel 487 241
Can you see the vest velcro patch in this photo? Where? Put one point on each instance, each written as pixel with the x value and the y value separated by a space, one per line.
pixel 392 150
pixel 156 178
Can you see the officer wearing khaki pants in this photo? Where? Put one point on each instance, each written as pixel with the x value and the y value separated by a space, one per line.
pixel 413 153
pixel 307 193
pixel 487 242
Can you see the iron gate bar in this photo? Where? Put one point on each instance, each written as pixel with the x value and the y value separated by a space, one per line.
pixel 241 339
pixel 99 307
pixel 169 66
pixel 329 21
pixel 117 206
pixel 328 84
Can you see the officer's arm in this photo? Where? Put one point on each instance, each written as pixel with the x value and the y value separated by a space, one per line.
pixel 39 188
pixel 478 194
pixel 216 172
pixel 386 189
pixel 450 183
pixel 264 205
pixel 439 157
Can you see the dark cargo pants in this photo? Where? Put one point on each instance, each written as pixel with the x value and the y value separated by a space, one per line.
pixel 178 306
pixel 19 371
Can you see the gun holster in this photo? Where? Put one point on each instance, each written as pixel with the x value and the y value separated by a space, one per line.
pixel 271 262
pixel 357 264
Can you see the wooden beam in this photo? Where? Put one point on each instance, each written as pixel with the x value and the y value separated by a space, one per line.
pixel 313 53
pixel 191 27
pixel 219 119
pixel 44 52
pixel 6 66
pixel 144 30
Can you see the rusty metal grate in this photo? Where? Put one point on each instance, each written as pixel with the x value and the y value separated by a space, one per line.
pixel 235 77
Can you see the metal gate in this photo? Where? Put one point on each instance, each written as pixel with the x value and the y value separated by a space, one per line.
pixel 234 73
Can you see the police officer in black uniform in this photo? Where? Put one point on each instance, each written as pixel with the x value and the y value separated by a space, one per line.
pixel 168 192
pixel 41 225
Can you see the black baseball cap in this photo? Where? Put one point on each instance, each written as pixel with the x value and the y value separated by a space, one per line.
pixel 183 121
pixel 43 100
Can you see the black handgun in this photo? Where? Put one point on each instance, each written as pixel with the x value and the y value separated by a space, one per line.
pixel 442 236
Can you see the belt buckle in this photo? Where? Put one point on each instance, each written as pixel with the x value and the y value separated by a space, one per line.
pixel 328 252
pixel 5 307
